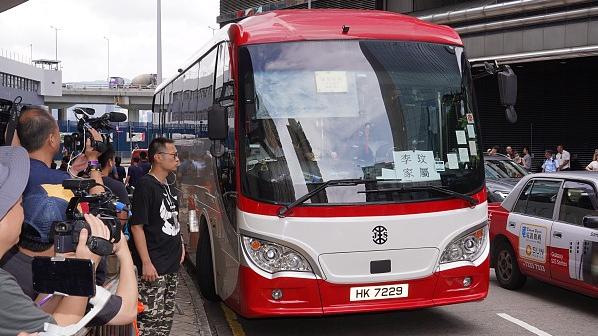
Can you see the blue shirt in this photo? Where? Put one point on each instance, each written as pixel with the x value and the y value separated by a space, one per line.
pixel 550 165
pixel 135 173
pixel 44 199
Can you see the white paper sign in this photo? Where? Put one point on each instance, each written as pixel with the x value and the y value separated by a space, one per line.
pixel 471 131
pixel 331 81
pixel 453 163
pixel 470 118
pixel 463 155
pixel 411 166
pixel 439 165
pixel 473 148
pixel 461 139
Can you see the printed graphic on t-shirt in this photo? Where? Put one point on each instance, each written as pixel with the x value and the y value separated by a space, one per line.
pixel 170 216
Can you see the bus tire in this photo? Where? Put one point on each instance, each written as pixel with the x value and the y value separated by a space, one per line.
pixel 507 270
pixel 205 266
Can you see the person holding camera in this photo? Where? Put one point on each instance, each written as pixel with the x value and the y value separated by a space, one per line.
pixel 158 242
pixel 45 201
pixel 17 311
pixel 107 163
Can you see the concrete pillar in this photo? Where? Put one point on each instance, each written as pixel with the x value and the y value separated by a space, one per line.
pixel 133 114
pixel 62 113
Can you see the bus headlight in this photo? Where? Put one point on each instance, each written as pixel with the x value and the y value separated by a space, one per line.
pixel 272 257
pixel 466 248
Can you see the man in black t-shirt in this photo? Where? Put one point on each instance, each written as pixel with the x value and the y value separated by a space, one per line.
pixel 158 241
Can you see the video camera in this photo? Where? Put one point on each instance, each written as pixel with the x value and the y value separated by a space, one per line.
pixel 76 141
pixel 8 120
pixel 66 233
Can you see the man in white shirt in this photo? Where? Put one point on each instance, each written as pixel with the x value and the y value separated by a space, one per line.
pixel 564 158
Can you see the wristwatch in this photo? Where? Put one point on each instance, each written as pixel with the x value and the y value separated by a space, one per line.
pixel 93 165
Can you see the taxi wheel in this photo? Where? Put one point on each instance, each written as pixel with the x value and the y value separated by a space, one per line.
pixel 507 270
pixel 205 268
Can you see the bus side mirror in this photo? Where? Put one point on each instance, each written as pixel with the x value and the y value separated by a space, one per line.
pixel 507 89
pixel 590 222
pixel 217 122
pixel 217 129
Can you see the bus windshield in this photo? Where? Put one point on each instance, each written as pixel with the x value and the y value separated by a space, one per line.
pixel 397 114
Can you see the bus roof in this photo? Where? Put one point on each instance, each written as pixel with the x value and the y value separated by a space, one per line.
pixel 326 24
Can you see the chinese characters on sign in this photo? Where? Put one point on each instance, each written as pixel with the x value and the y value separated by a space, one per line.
pixel 532 243
pixel 412 166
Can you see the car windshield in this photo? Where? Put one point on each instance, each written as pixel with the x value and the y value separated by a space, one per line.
pixel 506 168
pixel 396 114
pixel 492 173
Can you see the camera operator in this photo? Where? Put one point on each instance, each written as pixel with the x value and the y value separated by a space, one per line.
pixel 45 201
pixel 40 135
pixel 17 311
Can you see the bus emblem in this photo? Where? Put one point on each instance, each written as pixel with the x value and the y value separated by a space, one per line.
pixel 380 235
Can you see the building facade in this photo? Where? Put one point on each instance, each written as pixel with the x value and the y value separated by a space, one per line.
pixel 552 45
pixel 31 82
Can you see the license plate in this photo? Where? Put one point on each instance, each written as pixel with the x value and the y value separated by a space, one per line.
pixel 379 292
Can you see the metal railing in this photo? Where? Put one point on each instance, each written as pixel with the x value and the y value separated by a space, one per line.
pixel 17 57
pixel 104 86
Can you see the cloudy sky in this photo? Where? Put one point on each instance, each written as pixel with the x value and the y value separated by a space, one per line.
pixel 129 24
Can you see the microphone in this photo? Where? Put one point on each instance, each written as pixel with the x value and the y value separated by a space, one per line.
pixel 115 117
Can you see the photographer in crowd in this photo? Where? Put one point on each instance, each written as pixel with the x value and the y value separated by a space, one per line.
pixel 107 164
pixel 45 201
pixel 17 311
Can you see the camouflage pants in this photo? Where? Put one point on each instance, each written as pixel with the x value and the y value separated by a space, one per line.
pixel 158 297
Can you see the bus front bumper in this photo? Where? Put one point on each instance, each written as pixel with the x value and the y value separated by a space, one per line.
pixel 316 297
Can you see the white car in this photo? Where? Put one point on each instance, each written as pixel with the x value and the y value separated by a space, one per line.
pixel 547 228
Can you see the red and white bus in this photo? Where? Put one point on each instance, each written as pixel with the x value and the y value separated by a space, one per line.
pixel 331 164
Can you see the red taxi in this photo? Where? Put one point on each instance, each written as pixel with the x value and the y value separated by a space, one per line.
pixel 547 228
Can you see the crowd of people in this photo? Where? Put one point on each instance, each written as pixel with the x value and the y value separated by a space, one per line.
pixel 32 199
pixel 561 160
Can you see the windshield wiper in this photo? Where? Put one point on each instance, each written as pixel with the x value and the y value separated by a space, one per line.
pixel 347 182
pixel 472 201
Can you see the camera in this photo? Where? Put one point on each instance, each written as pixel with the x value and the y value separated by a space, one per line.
pixel 76 141
pixel 65 234
pixel 8 120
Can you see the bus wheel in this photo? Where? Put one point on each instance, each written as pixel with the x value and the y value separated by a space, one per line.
pixel 507 270
pixel 205 269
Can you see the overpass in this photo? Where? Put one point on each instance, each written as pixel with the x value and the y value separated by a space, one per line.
pixel 129 97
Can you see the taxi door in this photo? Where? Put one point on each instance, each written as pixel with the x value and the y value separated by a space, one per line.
pixel 531 221
pixel 574 248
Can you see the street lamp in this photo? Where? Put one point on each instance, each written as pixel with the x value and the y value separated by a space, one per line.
pixel 213 29
pixel 56 29
pixel 159 42
pixel 108 77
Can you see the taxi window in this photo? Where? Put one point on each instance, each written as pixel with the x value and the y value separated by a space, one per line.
pixel 522 201
pixel 540 200
pixel 579 200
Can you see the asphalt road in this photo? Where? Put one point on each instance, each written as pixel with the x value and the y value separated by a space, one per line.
pixel 536 309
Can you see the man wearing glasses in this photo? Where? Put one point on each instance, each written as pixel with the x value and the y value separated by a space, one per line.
pixel 157 238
